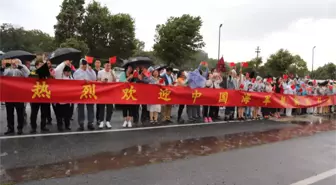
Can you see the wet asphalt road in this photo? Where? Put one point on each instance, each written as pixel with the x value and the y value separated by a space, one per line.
pixel 199 154
pixel 280 163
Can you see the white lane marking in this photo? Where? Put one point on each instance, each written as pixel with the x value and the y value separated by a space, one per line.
pixel 114 130
pixel 316 178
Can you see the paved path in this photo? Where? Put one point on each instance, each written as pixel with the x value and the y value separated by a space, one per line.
pixel 220 153
pixel 283 163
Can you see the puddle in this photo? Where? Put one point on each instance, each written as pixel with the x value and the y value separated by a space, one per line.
pixel 140 155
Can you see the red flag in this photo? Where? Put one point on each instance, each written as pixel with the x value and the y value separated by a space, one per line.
pixel 241 86
pixel 232 64
pixel 161 81
pixel 204 63
pixel 89 59
pixel 221 61
pixel 113 60
pixel 135 74
pixel 221 65
pixel 245 64
pixel 285 77
pixel 73 68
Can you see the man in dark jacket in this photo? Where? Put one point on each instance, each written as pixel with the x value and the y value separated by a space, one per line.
pixel 168 80
pixel 35 107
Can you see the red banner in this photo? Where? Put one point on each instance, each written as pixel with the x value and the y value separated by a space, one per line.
pixel 74 91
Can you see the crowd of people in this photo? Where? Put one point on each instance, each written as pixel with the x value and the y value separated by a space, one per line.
pixel 134 115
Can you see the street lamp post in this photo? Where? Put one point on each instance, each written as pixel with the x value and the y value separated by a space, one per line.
pixel 219 36
pixel 313 50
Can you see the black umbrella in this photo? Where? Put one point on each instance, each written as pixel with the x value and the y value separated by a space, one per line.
pixel 138 61
pixel 159 68
pixel 62 54
pixel 19 54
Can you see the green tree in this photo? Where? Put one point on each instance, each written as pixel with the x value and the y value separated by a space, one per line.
pixel 253 65
pixel 121 37
pixel 139 48
pixel 29 40
pixel 327 71
pixel 95 29
pixel 194 60
pixel 77 44
pixel 299 67
pixel 280 62
pixel 39 41
pixel 69 20
pixel 178 39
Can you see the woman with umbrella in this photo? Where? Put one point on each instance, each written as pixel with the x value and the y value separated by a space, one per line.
pixel 139 66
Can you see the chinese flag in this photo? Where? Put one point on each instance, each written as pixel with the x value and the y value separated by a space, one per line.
pixel 285 77
pixel 204 63
pixel 135 74
pixel 221 61
pixel 113 60
pixel 221 65
pixel 161 81
pixel 232 64
pixel 245 64
pixel 89 59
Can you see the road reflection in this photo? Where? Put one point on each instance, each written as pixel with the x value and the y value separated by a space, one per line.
pixel 167 151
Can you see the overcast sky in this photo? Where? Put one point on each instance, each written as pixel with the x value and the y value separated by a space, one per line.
pixel 271 24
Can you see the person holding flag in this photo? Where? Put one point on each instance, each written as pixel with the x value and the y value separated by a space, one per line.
pixel 85 72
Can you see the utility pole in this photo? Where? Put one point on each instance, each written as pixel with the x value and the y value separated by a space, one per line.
pixel 257 51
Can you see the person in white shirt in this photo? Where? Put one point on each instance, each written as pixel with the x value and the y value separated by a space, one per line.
pixel 106 76
pixel 63 111
pixel 85 72
pixel 289 89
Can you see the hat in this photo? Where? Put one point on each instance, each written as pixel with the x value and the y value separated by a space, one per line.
pixel 67 69
pixel 83 61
